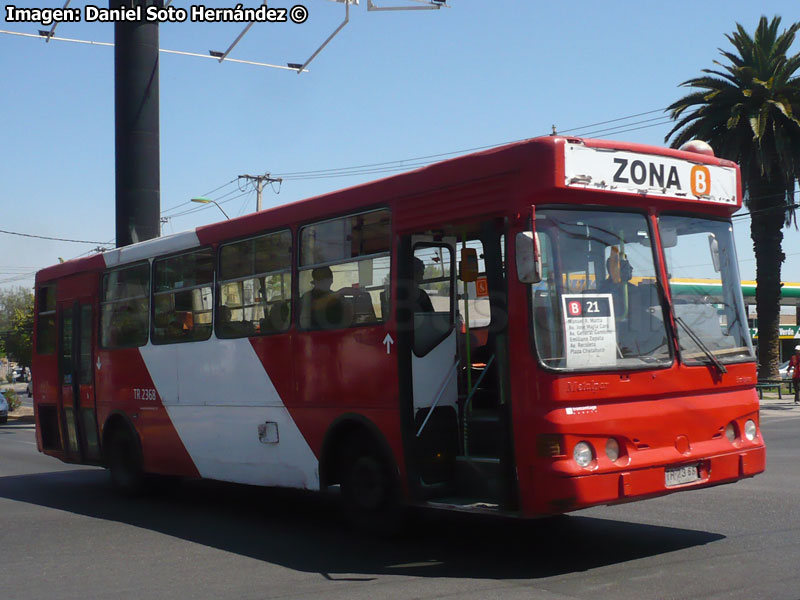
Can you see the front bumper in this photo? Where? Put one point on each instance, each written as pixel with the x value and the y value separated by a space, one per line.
pixel 566 494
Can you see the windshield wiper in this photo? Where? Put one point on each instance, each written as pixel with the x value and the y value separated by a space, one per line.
pixel 696 339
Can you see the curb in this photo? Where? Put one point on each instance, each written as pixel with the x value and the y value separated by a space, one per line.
pixel 21 419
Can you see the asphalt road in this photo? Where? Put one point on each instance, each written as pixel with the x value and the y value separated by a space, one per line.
pixel 64 534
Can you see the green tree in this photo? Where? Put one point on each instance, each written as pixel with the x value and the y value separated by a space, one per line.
pixel 746 111
pixel 10 300
pixel 19 339
pixel 13 300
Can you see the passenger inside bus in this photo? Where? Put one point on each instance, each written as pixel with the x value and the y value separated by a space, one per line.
pixel 322 308
pixel 421 300
pixel 278 318
pixel 231 327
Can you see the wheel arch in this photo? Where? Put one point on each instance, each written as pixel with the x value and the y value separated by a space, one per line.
pixel 118 421
pixel 341 433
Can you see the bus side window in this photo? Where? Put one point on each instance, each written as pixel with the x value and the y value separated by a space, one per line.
pixel 125 307
pixel 46 320
pixel 431 296
pixel 255 288
pixel 183 297
pixel 479 307
pixel 344 271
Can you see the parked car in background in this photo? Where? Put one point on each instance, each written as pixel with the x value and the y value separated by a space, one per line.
pixel 3 409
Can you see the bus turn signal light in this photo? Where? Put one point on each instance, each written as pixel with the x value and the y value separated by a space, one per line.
pixel 549 445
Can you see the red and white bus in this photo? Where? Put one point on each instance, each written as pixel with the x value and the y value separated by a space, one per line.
pixel 495 332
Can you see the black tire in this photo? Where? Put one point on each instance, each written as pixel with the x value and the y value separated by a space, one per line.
pixel 3 420
pixel 370 490
pixel 124 461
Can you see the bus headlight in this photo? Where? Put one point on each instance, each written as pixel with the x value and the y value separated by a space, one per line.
pixel 612 449
pixel 583 454
pixel 750 430
pixel 730 432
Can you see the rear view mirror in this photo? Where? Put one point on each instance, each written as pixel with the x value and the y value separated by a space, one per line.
pixel 529 260
pixel 713 245
pixel 669 237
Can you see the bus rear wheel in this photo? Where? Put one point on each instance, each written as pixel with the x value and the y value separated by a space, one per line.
pixel 125 463
pixel 370 490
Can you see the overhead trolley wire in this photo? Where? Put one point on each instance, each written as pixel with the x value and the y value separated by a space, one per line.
pixel 661 120
pixel 419 161
pixel 45 237
pixel 162 50
pixel 384 167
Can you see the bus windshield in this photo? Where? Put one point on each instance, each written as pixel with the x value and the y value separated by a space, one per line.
pixel 598 305
pixel 705 289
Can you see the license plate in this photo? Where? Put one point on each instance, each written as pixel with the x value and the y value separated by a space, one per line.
pixel 681 475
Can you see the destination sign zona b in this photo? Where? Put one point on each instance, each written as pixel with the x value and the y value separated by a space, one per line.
pixel 651 174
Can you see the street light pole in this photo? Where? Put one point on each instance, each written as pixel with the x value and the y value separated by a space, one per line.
pixel 202 200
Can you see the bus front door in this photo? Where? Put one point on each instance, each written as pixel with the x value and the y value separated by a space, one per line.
pixel 433 359
pixel 454 339
pixel 76 374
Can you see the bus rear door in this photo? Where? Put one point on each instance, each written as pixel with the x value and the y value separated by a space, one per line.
pixel 76 341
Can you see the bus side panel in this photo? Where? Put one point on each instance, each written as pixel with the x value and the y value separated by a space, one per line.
pixel 347 371
pixel 346 368
pixel 229 412
pixel 124 385
pixel 316 422
pixel 275 354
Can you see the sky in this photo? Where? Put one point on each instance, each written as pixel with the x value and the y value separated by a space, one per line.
pixel 395 87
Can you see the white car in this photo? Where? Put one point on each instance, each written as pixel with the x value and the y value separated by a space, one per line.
pixel 3 409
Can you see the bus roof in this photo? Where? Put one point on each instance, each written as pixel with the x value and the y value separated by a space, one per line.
pixel 543 169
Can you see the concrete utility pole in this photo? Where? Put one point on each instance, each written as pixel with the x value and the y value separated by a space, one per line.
pixel 138 176
pixel 260 179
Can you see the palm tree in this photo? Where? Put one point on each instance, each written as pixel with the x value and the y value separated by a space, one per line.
pixel 746 111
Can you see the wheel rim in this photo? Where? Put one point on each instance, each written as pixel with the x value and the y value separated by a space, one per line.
pixel 368 483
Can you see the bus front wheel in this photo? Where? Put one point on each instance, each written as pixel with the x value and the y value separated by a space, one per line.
pixel 370 490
